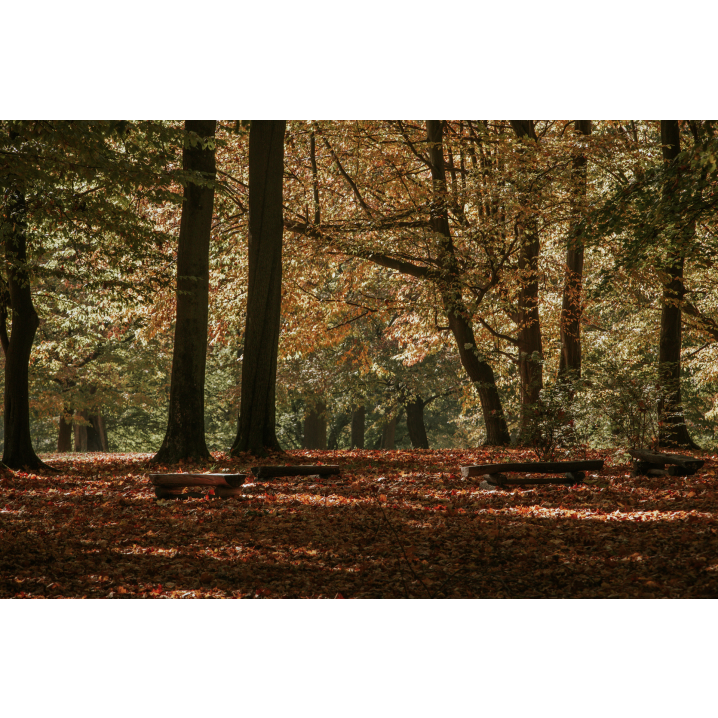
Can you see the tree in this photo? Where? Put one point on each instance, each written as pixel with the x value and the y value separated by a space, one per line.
pixel 17 346
pixel 185 428
pixel 674 431
pixel 315 426
pixel 529 342
pixel 385 231
pixel 358 426
pixel 256 431
pixel 415 422
pixel 572 304
pixel 75 199
pixel 479 371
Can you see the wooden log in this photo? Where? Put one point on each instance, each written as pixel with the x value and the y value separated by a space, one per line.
pixel 536 467
pixel 570 479
pixel 230 493
pixel 658 460
pixel 161 493
pixel 271 472
pixel 181 480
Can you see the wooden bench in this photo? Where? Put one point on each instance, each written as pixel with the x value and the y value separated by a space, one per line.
pixel 170 486
pixel 494 474
pixel 652 463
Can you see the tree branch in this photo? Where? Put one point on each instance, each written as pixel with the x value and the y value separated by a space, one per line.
pixel 498 335
pixel 344 174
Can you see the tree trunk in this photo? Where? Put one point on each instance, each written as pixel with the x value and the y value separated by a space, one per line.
pixel 572 306
pixel 96 433
pixel 315 427
pixel 185 429
pixel 81 432
pixel 415 423
pixel 358 424
pixel 18 452
pixel 672 428
pixel 478 370
pixel 529 343
pixel 388 434
pixel 256 431
pixel 64 434
pixel 101 429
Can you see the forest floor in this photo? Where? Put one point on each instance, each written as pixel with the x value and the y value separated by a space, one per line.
pixel 394 524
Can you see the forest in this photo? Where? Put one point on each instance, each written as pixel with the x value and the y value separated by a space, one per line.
pixel 394 298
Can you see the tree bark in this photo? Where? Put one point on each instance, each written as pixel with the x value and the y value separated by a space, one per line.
pixel 80 432
pixel 18 452
pixel 315 427
pixel 256 431
pixel 572 305
pixel 672 428
pixel 64 434
pixel 530 347
pixel 185 429
pixel 479 371
pixel 388 434
pixel 415 423
pixel 358 426
pixel 96 433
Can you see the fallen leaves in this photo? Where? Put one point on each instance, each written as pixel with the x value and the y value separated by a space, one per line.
pixel 95 529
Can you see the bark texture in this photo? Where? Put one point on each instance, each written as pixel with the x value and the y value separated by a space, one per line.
pixel 185 428
pixel 358 427
pixel 415 423
pixel 64 433
pixel 256 432
pixel 478 370
pixel 18 452
pixel 97 433
pixel 673 430
pixel 572 305
pixel 530 346
pixel 315 427
pixel 388 434
pixel 80 432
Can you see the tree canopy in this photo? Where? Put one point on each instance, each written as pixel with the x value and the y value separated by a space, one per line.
pixel 448 264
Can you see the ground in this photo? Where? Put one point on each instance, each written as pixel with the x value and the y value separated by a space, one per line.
pixel 395 524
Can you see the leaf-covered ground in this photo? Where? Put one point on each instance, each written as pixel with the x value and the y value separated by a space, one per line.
pixel 394 524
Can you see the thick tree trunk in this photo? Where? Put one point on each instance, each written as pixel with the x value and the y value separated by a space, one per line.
pixel 64 434
pixel 315 427
pixel 673 430
pixel 529 343
pixel 358 425
pixel 388 434
pixel 572 306
pixel 256 432
pixel 415 423
pixel 185 429
pixel 478 370
pixel 81 432
pixel 18 452
pixel 96 433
